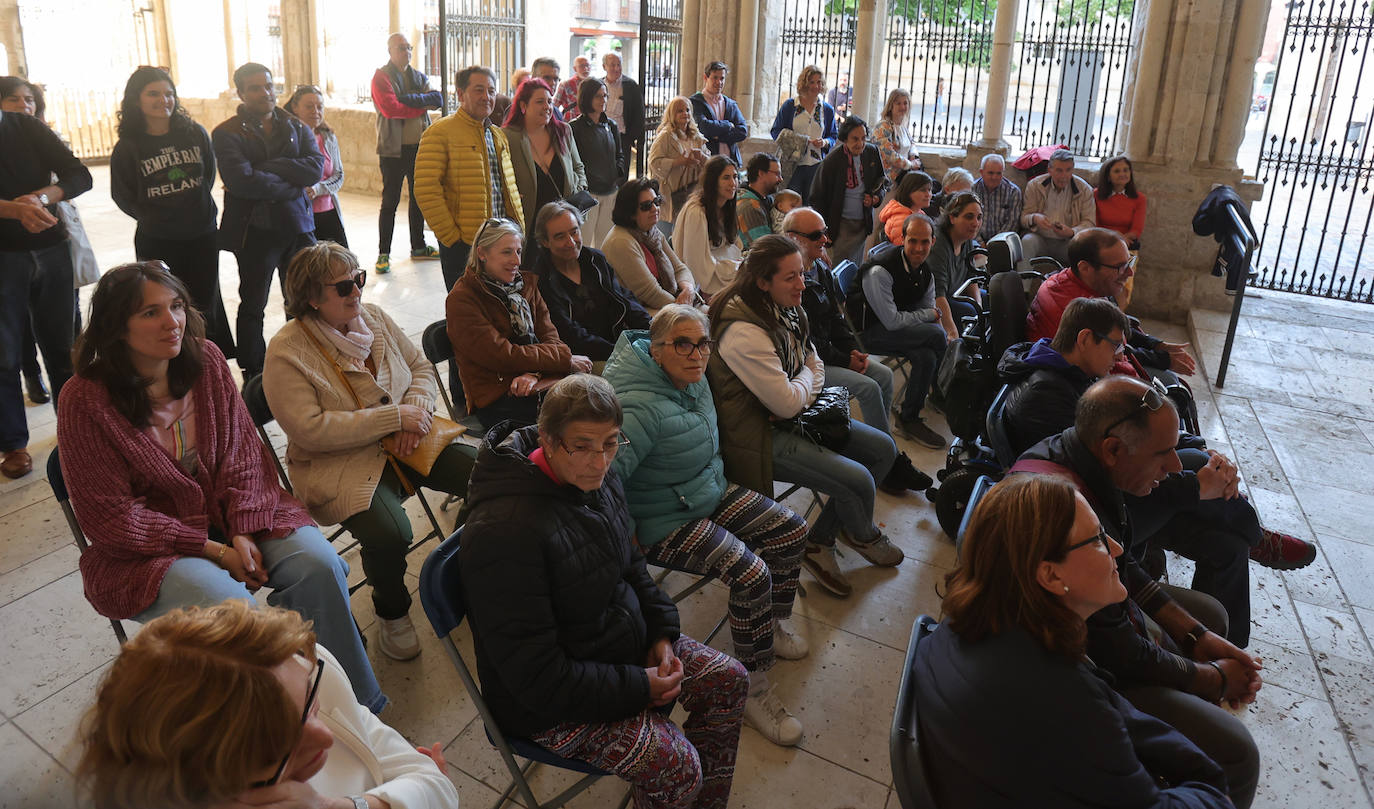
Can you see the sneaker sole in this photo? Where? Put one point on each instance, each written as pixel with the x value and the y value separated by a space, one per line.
pixel 394 655
pixel 827 586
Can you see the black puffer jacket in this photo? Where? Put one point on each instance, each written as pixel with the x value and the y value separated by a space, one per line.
pixel 1044 394
pixel 563 610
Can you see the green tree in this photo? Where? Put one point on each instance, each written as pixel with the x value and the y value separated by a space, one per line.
pixel 1093 12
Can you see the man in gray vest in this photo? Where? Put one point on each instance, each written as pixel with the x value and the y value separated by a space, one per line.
pixel 403 99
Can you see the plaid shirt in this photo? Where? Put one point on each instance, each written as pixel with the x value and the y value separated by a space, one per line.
pixel 1001 208
pixel 498 205
pixel 566 97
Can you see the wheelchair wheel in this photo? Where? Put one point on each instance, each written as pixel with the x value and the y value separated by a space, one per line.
pixel 953 496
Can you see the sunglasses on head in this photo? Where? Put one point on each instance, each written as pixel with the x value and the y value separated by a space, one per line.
pixel 649 204
pixel 345 288
pixel 814 236
pixel 1152 400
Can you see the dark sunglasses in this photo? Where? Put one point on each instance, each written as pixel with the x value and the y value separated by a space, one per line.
pixel 345 288
pixel 1101 536
pixel 1152 400
pixel 685 347
pixel 649 204
pixel 814 236
pixel 305 717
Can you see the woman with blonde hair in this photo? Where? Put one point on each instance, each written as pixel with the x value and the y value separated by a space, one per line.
pixel 676 159
pixel 805 131
pixel 235 706
pixel 1035 564
pixel 349 388
pixel 893 136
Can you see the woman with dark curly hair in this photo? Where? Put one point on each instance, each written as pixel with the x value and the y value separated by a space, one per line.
pixel 161 173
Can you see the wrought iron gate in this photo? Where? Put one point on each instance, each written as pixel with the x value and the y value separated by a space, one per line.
pixel 490 33
pixel 821 33
pixel 1313 156
pixel 660 64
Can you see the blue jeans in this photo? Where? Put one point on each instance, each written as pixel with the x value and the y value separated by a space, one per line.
pixel 924 346
pixel 872 389
pixel 35 287
pixel 305 575
pixel 847 477
pixel 802 177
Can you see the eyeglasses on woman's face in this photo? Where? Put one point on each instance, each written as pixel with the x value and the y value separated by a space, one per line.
pixel 305 717
pixel 584 454
pixel 345 288
pixel 1101 536
pixel 684 347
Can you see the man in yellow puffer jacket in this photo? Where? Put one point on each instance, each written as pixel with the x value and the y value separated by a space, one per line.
pixel 463 172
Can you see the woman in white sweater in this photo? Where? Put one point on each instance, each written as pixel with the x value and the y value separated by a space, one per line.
pixel 706 234
pixel 348 388
pixel 236 705
pixel 676 157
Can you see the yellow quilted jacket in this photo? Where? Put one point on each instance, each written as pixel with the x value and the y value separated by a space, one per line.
pixel 453 178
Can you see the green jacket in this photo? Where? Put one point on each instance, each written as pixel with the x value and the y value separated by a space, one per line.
pixel 672 470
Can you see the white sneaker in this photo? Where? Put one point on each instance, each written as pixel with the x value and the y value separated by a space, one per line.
pixel 787 642
pixel 766 714
pixel 397 638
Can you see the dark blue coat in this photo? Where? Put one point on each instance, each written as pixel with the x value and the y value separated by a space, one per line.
pixel 730 130
pixel 265 177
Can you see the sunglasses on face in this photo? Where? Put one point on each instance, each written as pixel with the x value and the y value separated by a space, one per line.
pixel 649 204
pixel 1101 536
pixel 345 288
pixel 1152 400
pixel 305 717
pixel 814 236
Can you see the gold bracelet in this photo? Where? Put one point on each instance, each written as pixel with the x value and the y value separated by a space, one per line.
pixel 223 549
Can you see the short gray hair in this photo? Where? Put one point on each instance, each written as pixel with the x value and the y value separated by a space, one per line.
pixel 791 218
pixel 955 175
pixel 669 316
pixel 992 157
pixel 1061 155
pixel 550 212
pixel 578 397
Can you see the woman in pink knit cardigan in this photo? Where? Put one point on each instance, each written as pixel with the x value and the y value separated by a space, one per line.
pixel 170 483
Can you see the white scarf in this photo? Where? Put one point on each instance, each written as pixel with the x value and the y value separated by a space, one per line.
pixel 355 346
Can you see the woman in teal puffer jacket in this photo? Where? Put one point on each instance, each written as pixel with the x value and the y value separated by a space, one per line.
pixel 689 517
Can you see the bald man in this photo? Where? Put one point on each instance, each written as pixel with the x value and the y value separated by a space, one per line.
pixel 402 97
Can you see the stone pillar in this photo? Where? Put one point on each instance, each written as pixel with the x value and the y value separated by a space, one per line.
pixel 744 69
pixel 12 35
pixel 1240 76
pixel 690 59
pixel 999 76
pixel 300 37
pixel 868 49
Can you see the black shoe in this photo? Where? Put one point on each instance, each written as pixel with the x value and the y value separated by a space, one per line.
pixel 917 431
pixel 38 393
pixel 903 476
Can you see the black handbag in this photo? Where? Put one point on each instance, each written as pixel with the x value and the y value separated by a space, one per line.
pixel 826 421
pixel 582 201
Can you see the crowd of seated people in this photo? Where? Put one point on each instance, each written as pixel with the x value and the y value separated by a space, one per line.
pixel 637 406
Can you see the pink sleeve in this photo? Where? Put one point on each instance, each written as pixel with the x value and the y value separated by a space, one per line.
pixel 384 99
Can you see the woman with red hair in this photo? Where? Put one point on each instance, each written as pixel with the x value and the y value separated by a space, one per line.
pixel 543 152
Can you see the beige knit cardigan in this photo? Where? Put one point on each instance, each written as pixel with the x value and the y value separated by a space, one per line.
pixel 334 455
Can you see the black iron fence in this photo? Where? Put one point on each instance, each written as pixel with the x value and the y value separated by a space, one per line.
pixel 1314 156
pixel 939 51
pixel 823 33
pixel 660 63
pixel 480 32
pixel 1069 66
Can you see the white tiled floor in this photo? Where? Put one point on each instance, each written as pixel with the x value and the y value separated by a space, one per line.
pixel 1297 413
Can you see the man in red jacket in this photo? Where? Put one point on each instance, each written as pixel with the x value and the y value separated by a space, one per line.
pixel 403 100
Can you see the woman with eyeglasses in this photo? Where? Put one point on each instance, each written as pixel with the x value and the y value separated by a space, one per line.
pixel 506 346
pixel 231 706
pixel 689 517
pixel 642 257
pixel 170 483
pixel 162 172
pixel 307 104
pixel 577 649
pixel 764 372
pixel 706 233
pixel 1005 678
pixel 350 391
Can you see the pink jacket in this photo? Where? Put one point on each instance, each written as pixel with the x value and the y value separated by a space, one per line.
pixel 140 511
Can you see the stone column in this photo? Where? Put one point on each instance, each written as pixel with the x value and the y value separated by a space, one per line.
pixel 300 38
pixel 1240 76
pixel 12 34
pixel 690 60
pixel 868 49
pixel 744 72
pixel 999 76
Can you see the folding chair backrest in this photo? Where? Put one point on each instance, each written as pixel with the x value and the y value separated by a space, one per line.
pixel 438 348
pixel 980 488
pixel 59 492
pixel 441 588
pixel 998 438
pixel 910 779
pixel 256 401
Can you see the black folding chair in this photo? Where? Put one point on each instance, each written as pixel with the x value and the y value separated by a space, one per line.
pixel 437 347
pixel 59 491
pixel 910 778
pixel 441 595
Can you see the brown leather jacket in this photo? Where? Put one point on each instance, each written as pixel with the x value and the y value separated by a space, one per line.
pixel 479 328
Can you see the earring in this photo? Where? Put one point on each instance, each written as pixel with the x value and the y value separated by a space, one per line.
pixel 1066 588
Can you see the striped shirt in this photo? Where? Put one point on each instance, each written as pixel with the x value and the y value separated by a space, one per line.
pixel 1001 208
pixel 498 206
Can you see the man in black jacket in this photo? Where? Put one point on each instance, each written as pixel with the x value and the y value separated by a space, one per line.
pixel 35 269
pixel 586 304
pixel 848 186
pixel 1167 662
pixel 577 648
pixel 869 381
pixel 624 104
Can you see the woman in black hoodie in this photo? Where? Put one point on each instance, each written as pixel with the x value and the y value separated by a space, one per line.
pixel 598 141
pixel 577 648
pixel 161 173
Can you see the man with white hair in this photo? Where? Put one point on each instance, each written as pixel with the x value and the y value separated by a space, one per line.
pixel 565 99
pixel 624 104
pixel 1058 206
pixel 1000 197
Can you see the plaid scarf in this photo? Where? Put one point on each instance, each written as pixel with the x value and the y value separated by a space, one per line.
pixel 521 319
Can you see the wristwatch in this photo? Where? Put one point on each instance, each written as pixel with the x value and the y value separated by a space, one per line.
pixel 43 198
pixel 358 801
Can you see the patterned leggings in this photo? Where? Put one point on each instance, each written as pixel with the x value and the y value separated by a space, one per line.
pixel 690 767
pixel 722 545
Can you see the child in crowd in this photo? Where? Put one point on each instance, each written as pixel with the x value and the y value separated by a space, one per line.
pixel 784 201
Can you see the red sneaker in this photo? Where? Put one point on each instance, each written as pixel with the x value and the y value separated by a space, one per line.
pixel 1283 551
